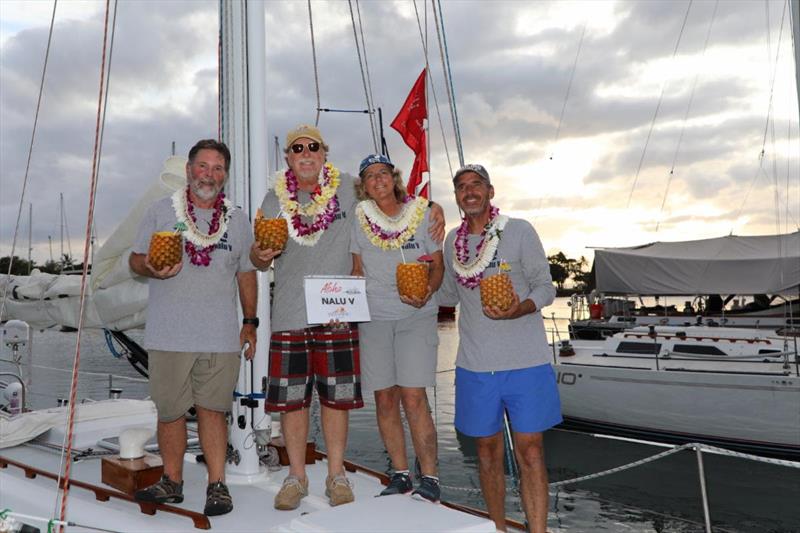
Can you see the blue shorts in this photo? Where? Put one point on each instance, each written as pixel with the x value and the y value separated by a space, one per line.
pixel 529 394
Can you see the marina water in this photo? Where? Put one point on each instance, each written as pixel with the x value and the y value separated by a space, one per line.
pixel 662 496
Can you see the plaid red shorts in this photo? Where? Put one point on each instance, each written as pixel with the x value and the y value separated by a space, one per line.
pixel 321 356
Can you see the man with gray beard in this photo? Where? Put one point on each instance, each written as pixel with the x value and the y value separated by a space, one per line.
pixel 192 332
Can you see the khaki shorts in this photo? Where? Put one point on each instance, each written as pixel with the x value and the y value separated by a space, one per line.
pixel 179 380
pixel 399 352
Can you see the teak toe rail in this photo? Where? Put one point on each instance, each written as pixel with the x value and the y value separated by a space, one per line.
pixel 103 494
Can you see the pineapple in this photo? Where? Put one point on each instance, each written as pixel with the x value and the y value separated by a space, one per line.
pixel 165 249
pixel 497 291
pixel 412 280
pixel 270 233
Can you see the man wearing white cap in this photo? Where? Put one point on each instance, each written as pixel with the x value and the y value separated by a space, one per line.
pixel 318 204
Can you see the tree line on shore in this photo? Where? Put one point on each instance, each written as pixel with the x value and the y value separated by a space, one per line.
pixel 23 267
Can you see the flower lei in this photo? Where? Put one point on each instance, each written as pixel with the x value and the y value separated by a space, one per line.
pixel 199 245
pixel 390 233
pixel 470 273
pixel 323 205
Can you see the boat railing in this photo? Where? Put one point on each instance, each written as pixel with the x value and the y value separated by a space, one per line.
pixel 697 447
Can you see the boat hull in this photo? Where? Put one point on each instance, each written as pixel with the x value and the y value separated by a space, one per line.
pixel 757 413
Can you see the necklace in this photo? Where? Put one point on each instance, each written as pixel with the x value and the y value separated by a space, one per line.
pixel 469 273
pixel 390 233
pixel 199 245
pixel 322 207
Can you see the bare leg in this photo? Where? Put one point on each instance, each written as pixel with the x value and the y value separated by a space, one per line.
pixel 423 432
pixel 213 431
pixel 529 449
pixel 387 411
pixel 492 476
pixel 294 427
pixel 172 446
pixel 334 429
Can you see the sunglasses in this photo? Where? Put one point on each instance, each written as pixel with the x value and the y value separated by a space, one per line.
pixel 312 147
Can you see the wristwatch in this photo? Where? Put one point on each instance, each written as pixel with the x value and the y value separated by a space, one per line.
pixel 254 321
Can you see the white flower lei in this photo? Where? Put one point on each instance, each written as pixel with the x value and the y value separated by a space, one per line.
pixel 484 257
pixel 192 233
pixel 403 226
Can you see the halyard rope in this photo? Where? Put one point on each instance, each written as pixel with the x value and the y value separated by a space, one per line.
pixel 67 456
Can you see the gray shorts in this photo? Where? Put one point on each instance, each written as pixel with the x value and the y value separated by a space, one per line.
pixel 399 352
pixel 179 380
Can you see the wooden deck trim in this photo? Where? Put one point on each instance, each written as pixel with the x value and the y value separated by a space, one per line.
pixel 103 494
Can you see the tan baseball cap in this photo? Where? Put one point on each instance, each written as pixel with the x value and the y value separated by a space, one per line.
pixel 303 130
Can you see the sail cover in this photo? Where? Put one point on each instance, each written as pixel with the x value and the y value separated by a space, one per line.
pixel 768 264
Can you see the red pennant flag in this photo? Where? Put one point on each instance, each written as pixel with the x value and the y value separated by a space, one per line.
pixel 409 123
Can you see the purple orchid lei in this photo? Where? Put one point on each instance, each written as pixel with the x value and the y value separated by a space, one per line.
pixel 462 250
pixel 202 256
pixel 322 220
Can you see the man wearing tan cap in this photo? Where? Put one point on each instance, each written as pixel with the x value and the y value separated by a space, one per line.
pixel 318 204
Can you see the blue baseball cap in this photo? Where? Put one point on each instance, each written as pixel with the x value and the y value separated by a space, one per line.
pixel 371 160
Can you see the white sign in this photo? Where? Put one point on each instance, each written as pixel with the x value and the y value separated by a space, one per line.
pixel 342 298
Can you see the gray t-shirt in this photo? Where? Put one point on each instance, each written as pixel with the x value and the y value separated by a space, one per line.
pixel 196 311
pixel 380 266
pixel 329 256
pixel 487 345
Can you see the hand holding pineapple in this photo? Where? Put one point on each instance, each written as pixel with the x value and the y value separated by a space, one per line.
pixel 270 239
pixel 165 256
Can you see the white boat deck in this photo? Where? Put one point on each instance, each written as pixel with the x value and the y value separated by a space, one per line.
pixel 253 501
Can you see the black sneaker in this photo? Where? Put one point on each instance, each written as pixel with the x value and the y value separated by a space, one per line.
pixel 218 500
pixel 164 491
pixel 399 483
pixel 428 489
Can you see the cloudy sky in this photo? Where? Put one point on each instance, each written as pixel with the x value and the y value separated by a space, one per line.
pixel 511 64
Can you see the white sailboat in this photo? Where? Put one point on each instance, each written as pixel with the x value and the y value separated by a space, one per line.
pixel 728 266
pixel 736 388
pixel 681 379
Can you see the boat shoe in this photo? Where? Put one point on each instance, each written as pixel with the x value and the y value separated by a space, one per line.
pixel 428 489
pixel 163 491
pixel 293 490
pixel 399 483
pixel 339 490
pixel 218 499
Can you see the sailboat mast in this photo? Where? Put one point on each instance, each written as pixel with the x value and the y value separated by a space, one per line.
pixel 244 130
pixel 30 235
pixel 795 12
pixel 61 211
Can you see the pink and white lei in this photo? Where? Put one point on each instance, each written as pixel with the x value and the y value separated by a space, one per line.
pixel 199 245
pixel 323 205
pixel 469 273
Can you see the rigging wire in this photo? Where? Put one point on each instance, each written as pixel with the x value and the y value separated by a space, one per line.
pixel 363 76
pixel 445 58
pixel 658 107
pixel 30 154
pixel 569 87
pixel 686 118
pixel 433 88
pixel 105 106
pixel 314 59
pixel 774 75
pixel 68 437
pixel 371 100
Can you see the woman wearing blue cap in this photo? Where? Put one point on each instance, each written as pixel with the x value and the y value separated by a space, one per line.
pixel 399 346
